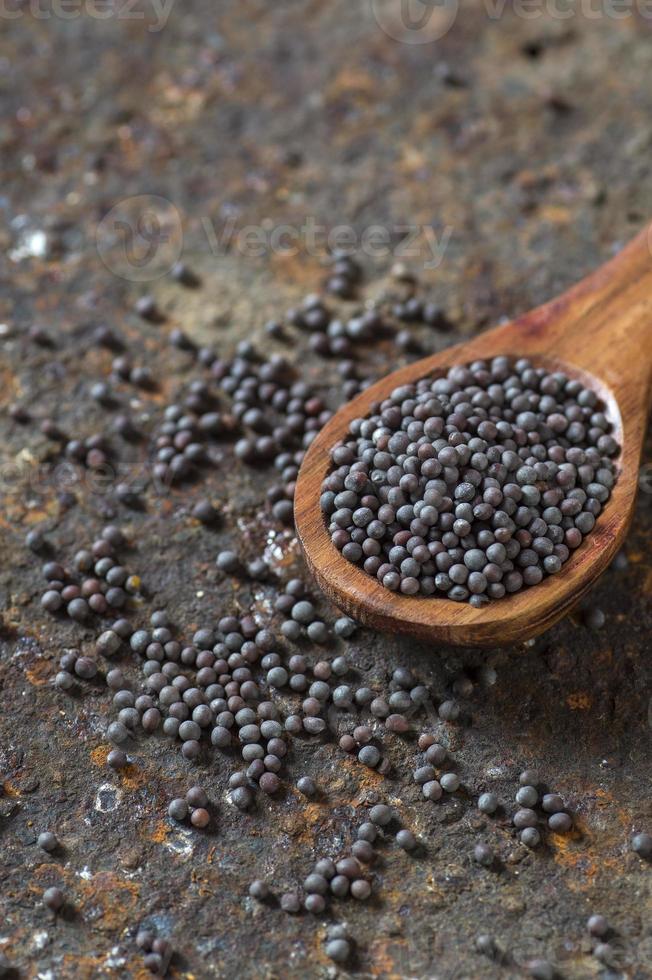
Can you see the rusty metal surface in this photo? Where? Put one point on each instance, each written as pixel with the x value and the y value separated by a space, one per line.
pixel 528 138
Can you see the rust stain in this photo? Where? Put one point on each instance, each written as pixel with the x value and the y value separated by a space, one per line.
pixel 437 896
pixel 352 81
pixel 647 582
pixel 580 701
pixel 383 960
pixel 131 777
pixel 604 657
pixel 319 813
pixel 566 855
pixel 99 755
pixel 160 833
pixel 295 269
pixel 412 161
pixel 304 830
pixel 39 673
pixel 555 214
pixel 367 778
pixel 117 899
pixel 8 385
pixel 37 516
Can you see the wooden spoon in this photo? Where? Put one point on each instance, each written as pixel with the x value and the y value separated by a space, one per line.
pixel 599 331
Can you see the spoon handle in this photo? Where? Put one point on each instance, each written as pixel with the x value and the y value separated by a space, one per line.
pixel 604 323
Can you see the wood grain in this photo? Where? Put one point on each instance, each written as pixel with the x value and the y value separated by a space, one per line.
pixel 599 331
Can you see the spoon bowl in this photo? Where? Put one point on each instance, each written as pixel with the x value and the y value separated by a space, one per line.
pixel 600 332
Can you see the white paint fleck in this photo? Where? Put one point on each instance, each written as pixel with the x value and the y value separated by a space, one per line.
pixel 31 245
pixel 262 602
pixel 108 798
pixel 115 959
pixel 496 772
pixel 179 845
pixel 273 552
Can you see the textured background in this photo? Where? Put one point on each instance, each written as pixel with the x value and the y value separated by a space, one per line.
pixel 529 139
